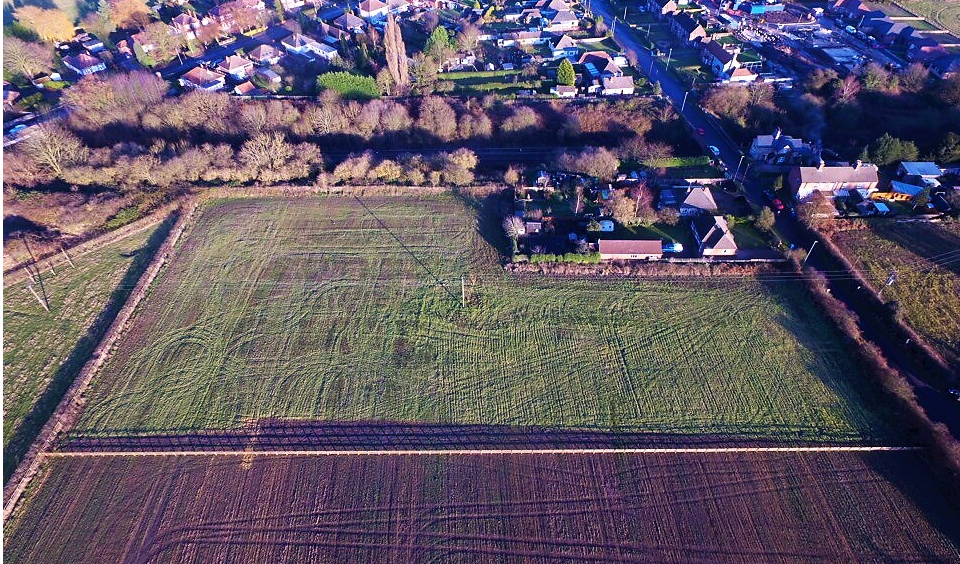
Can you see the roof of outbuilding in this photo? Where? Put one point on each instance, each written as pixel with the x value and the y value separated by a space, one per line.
pixel 631 247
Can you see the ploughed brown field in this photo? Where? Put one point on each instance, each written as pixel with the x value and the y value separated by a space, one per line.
pixel 663 508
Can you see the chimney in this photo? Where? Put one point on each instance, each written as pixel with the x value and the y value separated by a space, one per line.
pixel 857 164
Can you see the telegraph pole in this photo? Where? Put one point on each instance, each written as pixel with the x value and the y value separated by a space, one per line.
pixel 890 280
pixel 804 263
pixel 69 260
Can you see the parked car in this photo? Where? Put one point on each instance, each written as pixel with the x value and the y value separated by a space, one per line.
pixel 16 129
pixel 714 151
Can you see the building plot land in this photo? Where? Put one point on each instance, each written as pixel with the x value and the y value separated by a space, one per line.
pixel 43 351
pixel 335 309
pixel 663 508
pixel 926 259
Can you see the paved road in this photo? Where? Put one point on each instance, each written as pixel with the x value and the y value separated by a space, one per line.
pixel 473 452
pixel 221 51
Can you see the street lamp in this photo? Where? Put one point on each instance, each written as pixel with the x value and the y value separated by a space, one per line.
pixel 740 162
pixel 747 170
pixel 669 54
pixel 684 104
pixel 650 72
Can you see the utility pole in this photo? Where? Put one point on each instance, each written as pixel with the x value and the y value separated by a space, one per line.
pixel 890 280
pixel 804 263
pixel 463 292
pixel 684 104
pixel 740 162
pixel 39 299
pixel 669 54
pixel 650 72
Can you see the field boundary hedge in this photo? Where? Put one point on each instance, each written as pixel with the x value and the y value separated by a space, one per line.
pixel 627 269
pixel 67 412
pixel 936 435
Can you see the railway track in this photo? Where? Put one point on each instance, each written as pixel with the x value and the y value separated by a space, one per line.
pixel 476 452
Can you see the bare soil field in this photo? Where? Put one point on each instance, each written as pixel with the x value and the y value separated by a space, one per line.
pixel 664 508
pixel 926 258
pixel 339 309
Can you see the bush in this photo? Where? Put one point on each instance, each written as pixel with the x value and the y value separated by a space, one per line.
pixel 123 217
pixel 569 258
pixel 350 86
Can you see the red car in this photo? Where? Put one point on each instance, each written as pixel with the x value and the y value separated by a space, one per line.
pixel 777 205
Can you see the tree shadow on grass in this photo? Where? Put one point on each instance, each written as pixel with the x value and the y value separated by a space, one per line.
pixel 28 429
pixel 490 210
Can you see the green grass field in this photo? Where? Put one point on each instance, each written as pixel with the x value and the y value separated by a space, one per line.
pixel 43 352
pixel 926 257
pixel 335 310
pixel 945 13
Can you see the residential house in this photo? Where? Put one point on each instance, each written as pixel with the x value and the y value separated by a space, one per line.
pixel 245 89
pixel 599 64
pixel 84 64
pixel 292 5
pixel 830 180
pixel 333 35
pixel 266 55
pixel 551 5
pixel 200 78
pixel 695 200
pixel 563 21
pixel 565 48
pixel 713 236
pixel 236 66
pixel 300 44
pixel 778 148
pixel 614 249
pixel 91 43
pixel 685 27
pixel 617 86
pixel 919 171
pixel 185 25
pixel 373 9
pixel 522 38
pixel 398 6
pixel 662 8
pixel 143 41
pixel 349 22
pixel 903 191
pixel 564 91
pixel 946 67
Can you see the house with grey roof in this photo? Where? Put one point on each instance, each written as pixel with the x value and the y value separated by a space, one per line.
pixel 778 148
pixel 831 180
pixel 713 236
pixel 565 48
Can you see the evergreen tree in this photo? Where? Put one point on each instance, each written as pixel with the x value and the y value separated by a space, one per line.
pixel 565 74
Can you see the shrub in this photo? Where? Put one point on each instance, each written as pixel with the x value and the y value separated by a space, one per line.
pixel 123 217
pixel 350 86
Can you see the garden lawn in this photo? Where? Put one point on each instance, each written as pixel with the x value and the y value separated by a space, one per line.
pixel 344 309
pixel 926 258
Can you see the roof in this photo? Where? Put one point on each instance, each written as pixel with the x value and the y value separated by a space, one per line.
pixel 946 64
pixel 185 20
pixel 718 52
pixel 904 188
pixel 298 40
pixel 561 89
pixel 372 5
pixel 201 76
pixel 742 71
pixel 714 232
pixel 565 16
pixel 631 247
pixel 557 5
pixel 700 197
pixel 245 88
pixel 617 82
pixel 565 42
pixel 866 173
pixel 913 168
pixel 590 55
pixel 687 23
pixel 264 52
pixel 82 61
pixel 348 21
pixel 234 62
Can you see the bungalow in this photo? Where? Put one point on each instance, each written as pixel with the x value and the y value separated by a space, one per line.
pixel 551 5
pixel 662 8
pixel 373 9
pixel 564 48
pixel 349 22
pixel 805 180
pixel 84 64
pixel 564 91
pixel 600 64
pixel 779 148
pixel 522 38
pixel 236 66
pixel 268 76
pixel 687 29
pixel 563 21
pixel 333 35
pixel 713 236
pixel 613 249
pixel 617 86
pixel 267 55
pixel 91 43
pixel 200 78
